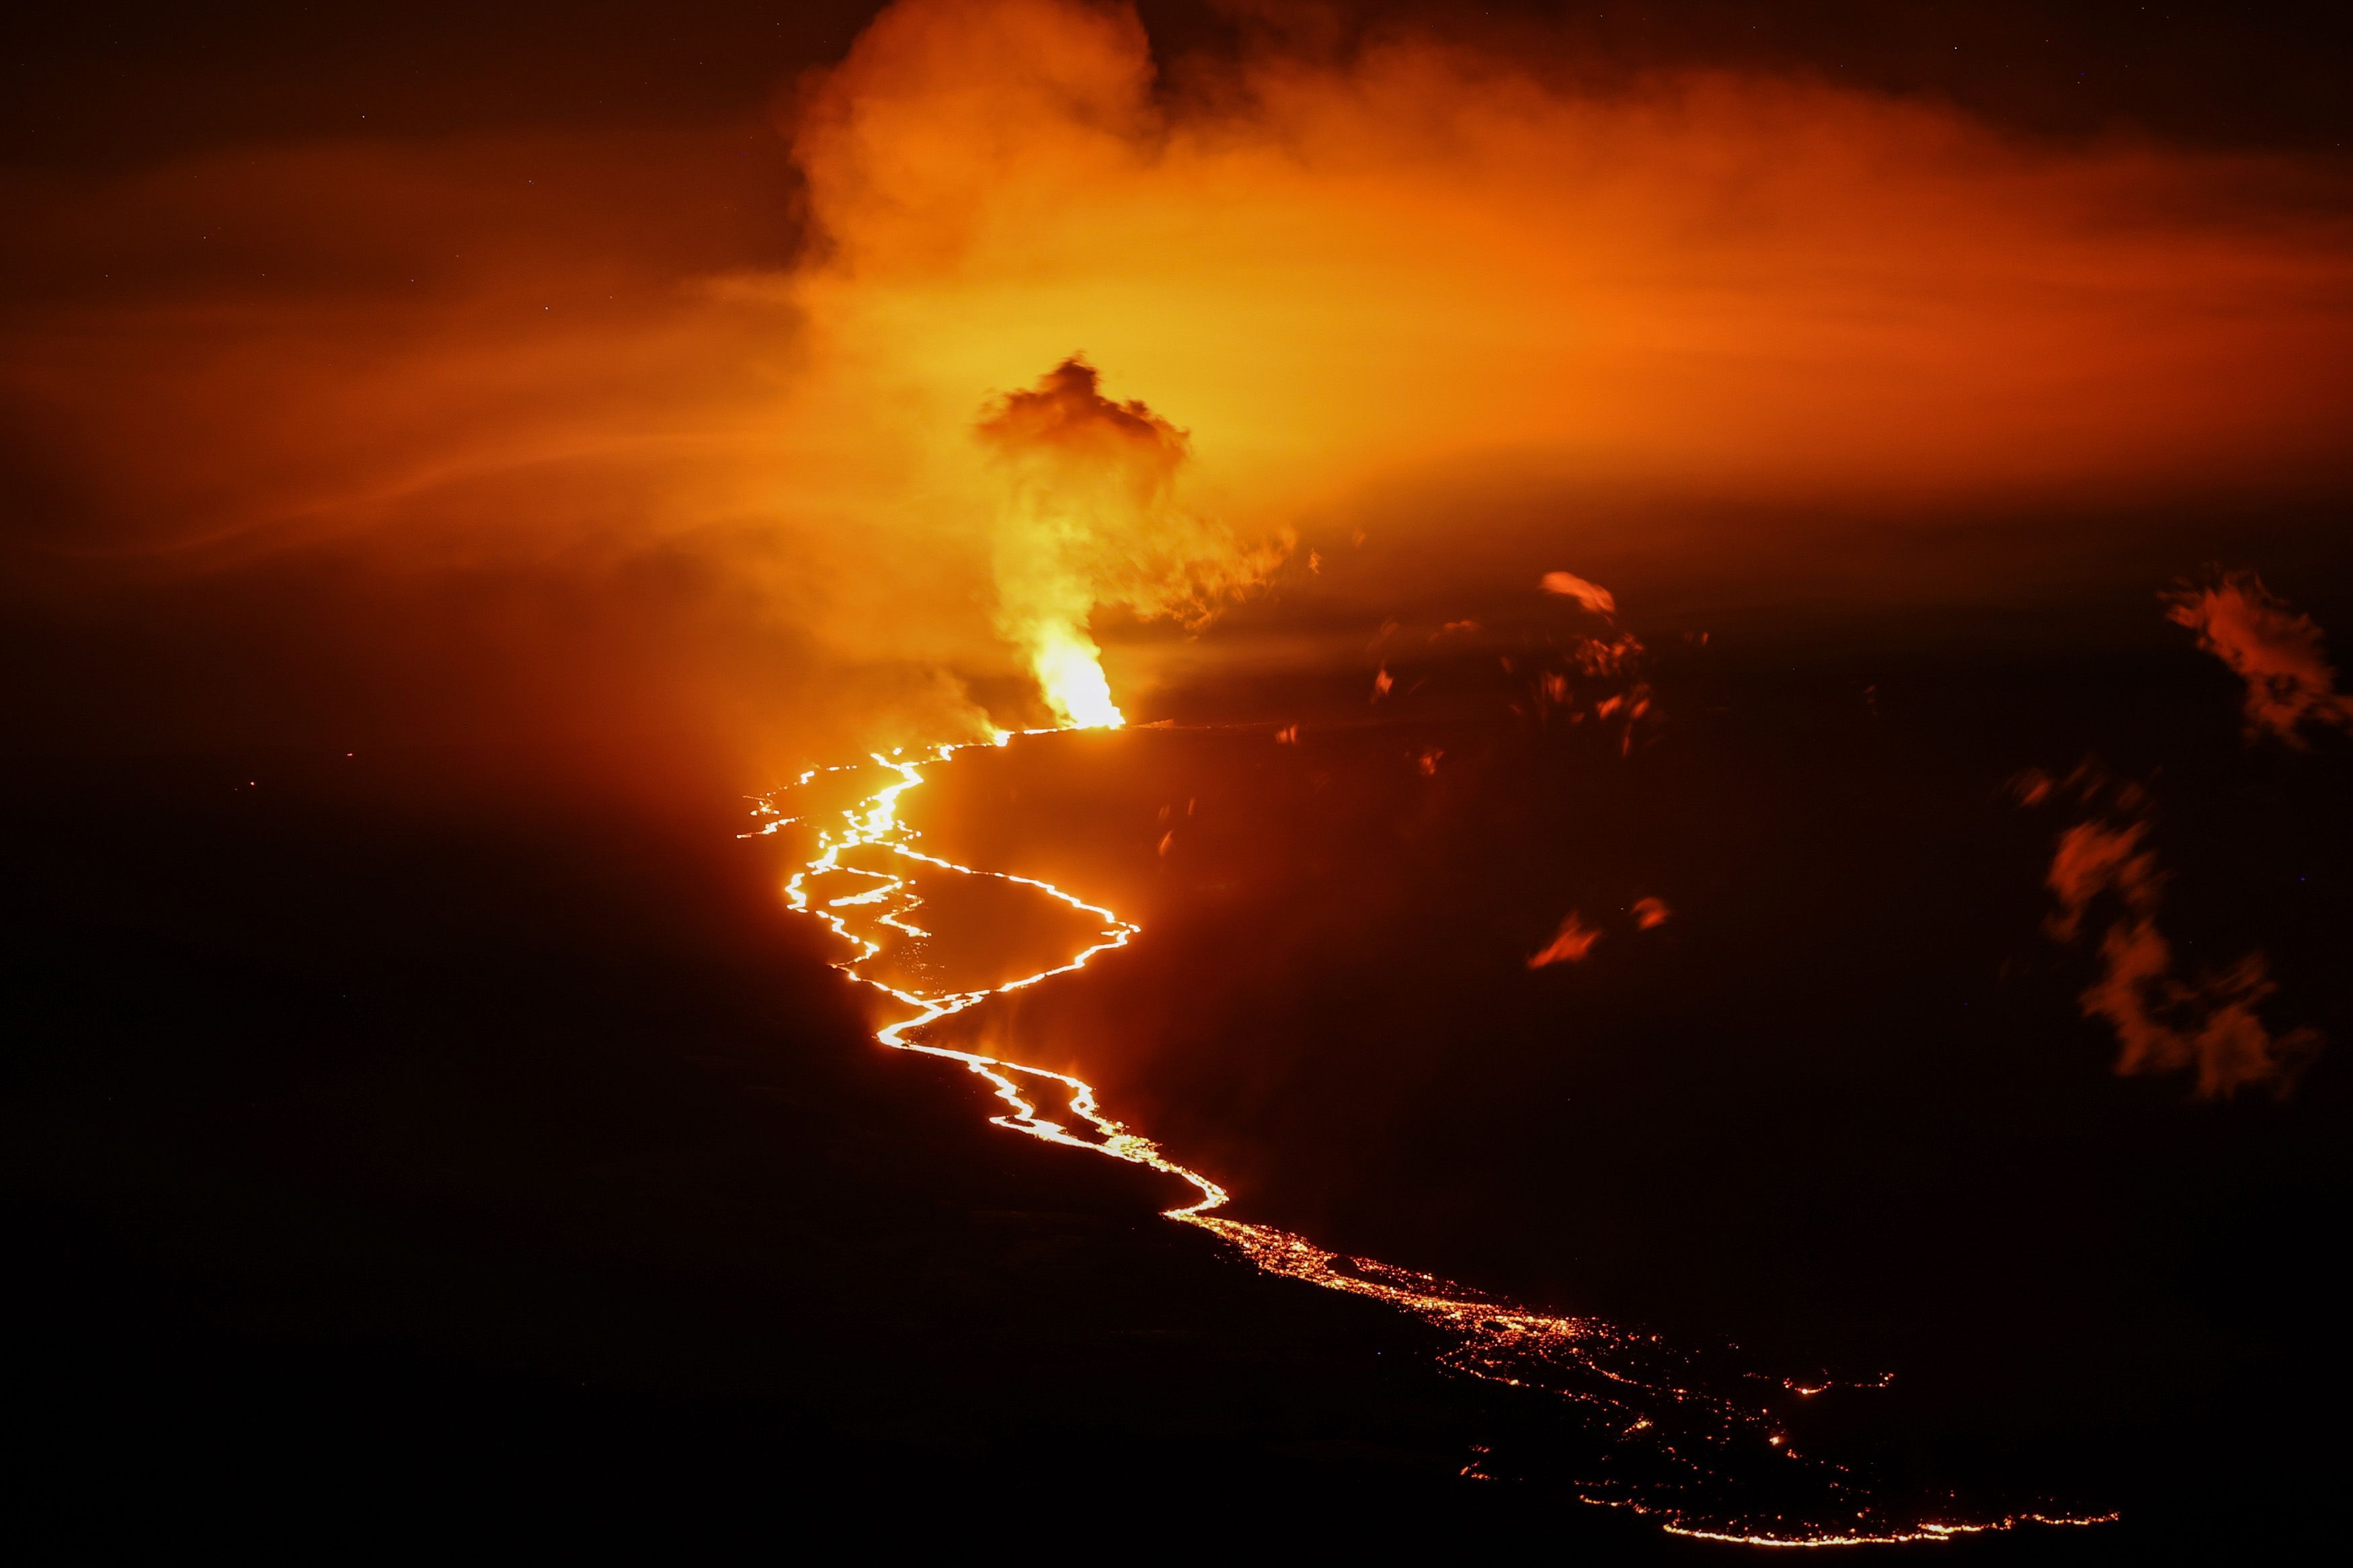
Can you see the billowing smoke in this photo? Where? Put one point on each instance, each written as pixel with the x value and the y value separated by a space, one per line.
pixel 1352 269
pixel 2280 654
pixel 1089 520
pixel 2164 1021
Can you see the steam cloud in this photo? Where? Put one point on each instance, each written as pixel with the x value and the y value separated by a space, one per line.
pixel 1088 521
pixel 2163 1022
pixel 2281 655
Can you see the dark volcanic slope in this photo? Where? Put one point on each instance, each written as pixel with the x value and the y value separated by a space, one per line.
pixel 393 1142
pixel 1841 1108
pixel 390 1139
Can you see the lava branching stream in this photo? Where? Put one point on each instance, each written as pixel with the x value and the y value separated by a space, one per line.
pixel 1701 1461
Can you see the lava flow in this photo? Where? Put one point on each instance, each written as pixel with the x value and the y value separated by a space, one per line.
pixel 1702 1463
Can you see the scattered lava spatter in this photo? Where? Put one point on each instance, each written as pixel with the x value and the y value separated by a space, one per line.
pixel 1701 1463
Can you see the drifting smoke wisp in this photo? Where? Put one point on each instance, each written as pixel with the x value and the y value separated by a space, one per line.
pixel 2164 1022
pixel 2280 654
pixel 1569 944
pixel 1089 521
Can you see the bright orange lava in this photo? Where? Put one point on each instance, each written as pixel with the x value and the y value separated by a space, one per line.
pixel 1694 1441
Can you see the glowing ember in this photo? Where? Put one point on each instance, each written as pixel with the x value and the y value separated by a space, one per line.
pixel 1696 1460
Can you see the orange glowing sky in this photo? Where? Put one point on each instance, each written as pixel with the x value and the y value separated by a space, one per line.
pixel 694 414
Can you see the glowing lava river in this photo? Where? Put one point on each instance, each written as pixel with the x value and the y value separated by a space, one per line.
pixel 1702 1463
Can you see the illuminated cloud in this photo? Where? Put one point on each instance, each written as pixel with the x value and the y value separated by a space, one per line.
pixel 2093 857
pixel 1650 913
pixel 1569 944
pixel 1592 596
pixel 2280 654
pixel 1615 655
pixel 707 401
pixel 1087 519
pixel 2164 1022
pixel 2033 788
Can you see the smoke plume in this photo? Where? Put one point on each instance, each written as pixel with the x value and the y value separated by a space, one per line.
pixel 1089 521
pixel 2281 655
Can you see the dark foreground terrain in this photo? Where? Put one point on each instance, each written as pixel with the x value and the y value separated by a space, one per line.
pixel 395 1145
pixel 391 1151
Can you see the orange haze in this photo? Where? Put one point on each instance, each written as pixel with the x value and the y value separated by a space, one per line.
pixel 681 434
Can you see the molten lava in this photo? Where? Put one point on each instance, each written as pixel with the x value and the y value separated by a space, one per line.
pixel 1704 1463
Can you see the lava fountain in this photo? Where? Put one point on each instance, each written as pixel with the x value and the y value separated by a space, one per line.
pixel 1090 515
